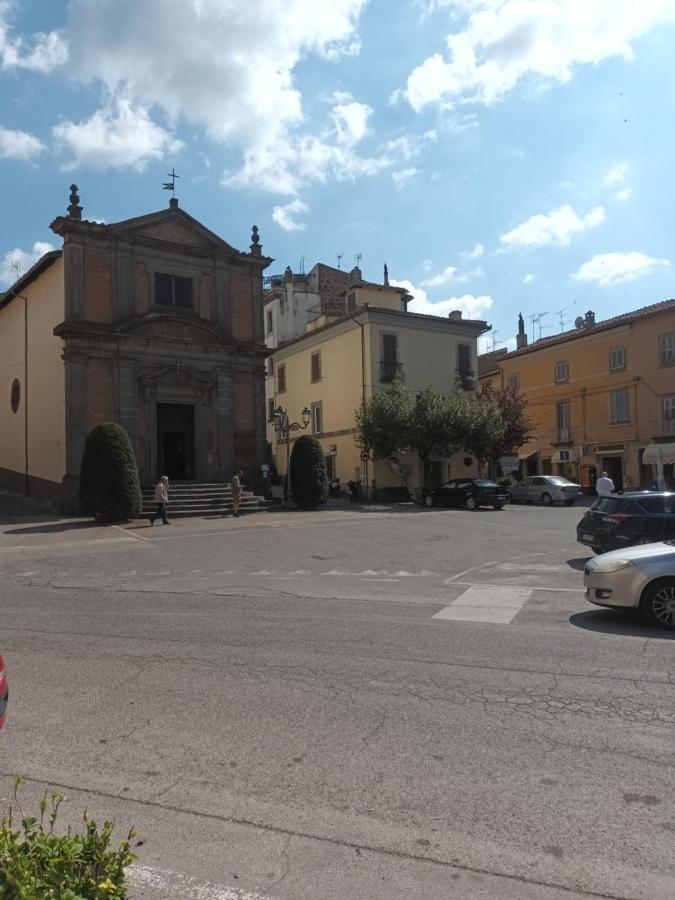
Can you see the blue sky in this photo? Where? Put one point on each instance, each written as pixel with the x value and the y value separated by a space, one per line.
pixel 500 155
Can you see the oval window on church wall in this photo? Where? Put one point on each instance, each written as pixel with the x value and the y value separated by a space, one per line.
pixel 15 395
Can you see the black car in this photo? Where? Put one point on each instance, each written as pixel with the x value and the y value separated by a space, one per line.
pixel 468 492
pixel 623 520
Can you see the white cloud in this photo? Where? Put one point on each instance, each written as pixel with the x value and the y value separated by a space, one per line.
pixel 615 175
pixel 402 176
pixel 42 53
pixel 557 227
pixel 472 273
pixel 284 216
pixel 623 195
pixel 505 42
pixel 408 146
pixel 17 262
pixel 444 277
pixel 229 68
pixel 19 145
pixel 529 278
pixel 607 269
pixel 120 135
pixel 428 265
pixel 476 253
pixel 472 307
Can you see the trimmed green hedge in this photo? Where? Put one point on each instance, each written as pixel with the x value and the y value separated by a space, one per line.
pixel 109 482
pixel 308 473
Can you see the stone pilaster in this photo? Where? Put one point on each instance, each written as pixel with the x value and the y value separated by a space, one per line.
pixel 76 429
pixel 225 431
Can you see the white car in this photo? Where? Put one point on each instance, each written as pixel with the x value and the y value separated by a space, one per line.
pixel 641 577
pixel 546 489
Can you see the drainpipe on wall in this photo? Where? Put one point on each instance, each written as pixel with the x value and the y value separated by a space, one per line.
pixel 363 395
pixel 26 488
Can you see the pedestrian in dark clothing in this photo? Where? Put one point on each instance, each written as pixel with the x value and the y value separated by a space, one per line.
pixel 162 501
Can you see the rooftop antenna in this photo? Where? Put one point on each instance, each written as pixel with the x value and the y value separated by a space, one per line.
pixel 302 264
pixel 358 258
pixel 15 266
pixel 494 334
pixel 171 185
pixel 561 317
pixel 339 259
pixel 533 318
pixel 539 318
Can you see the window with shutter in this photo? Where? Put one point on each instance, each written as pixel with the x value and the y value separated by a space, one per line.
pixel 619 406
pixel 317 418
pixel 561 371
pixel 617 359
pixel 281 379
pixel 173 290
pixel 315 367
pixel 667 345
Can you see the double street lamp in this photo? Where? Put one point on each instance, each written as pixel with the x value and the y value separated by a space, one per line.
pixel 283 427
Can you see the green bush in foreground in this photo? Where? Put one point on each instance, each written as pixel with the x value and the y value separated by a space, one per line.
pixel 308 473
pixel 109 482
pixel 36 864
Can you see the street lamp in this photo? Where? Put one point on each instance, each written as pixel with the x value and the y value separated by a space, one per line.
pixel 284 427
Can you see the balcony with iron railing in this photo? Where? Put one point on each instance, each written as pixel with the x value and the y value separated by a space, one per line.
pixel 562 435
pixel 662 428
pixel 390 370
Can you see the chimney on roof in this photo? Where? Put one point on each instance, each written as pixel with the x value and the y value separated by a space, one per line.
pixel 173 202
pixel 589 319
pixel 356 274
pixel 288 274
pixel 455 315
pixel 521 337
pixel 74 210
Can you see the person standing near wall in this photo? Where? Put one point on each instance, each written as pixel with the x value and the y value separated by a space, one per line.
pixel 236 492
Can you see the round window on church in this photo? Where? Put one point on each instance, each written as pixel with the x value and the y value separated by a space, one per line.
pixel 15 395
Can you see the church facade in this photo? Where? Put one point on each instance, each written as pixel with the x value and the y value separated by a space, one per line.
pixel 154 322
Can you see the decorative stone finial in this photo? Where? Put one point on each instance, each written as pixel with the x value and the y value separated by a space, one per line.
pixel 74 210
pixel 256 249
pixel 386 276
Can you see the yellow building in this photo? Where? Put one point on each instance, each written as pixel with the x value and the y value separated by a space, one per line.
pixel 340 361
pixel 602 397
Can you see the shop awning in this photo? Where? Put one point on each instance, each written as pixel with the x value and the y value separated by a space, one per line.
pixel 655 453
pixel 526 454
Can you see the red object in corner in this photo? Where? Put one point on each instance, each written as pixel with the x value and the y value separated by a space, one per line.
pixel 4 692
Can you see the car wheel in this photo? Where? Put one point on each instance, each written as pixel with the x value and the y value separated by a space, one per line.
pixel 429 500
pixel 509 497
pixel 546 499
pixel 471 503
pixel 498 506
pixel 570 502
pixel 658 604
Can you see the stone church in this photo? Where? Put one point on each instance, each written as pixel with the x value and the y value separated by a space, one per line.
pixel 154 322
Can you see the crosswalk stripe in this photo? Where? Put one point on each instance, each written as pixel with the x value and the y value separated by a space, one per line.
pixel 485 603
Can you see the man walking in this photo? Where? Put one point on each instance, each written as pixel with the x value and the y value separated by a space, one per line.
pixel 236 492
pixel 162 501
pixel 604 485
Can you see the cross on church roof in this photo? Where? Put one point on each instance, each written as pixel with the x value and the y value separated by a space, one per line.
pixel 171 185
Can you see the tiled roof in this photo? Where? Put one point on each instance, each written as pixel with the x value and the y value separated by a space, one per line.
pixel 35 270
pixel 605 325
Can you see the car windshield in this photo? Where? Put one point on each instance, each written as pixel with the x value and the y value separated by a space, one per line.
pixel 486 484
pixel 558 479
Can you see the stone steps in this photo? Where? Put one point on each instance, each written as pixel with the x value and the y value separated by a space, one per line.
pixel 202 499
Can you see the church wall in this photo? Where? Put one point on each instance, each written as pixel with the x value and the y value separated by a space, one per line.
pixel 241 299
pixel 99 392
pixel 45 396
pixel 97 285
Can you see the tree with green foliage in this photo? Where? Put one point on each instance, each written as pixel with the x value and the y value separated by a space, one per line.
pixel 383 421
pixel 484 428
pixel 309 483
pixel 518 426
pixel 109 482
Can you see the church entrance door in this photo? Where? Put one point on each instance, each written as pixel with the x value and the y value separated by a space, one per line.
pixel 175 441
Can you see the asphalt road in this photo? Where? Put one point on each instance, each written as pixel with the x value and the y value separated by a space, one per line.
pixel 343 704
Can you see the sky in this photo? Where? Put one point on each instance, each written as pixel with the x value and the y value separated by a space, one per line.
pixel 501 156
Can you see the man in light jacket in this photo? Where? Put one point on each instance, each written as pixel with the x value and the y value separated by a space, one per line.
pixel 162 501
pixel 604 485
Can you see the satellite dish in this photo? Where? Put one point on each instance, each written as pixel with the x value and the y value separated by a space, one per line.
pixel 579 322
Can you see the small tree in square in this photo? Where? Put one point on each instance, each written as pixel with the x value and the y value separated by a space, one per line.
pixel 109 482
pixel 308 473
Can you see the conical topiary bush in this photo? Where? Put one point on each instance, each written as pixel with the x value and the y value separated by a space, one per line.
pixel 308 473
pixel 109 482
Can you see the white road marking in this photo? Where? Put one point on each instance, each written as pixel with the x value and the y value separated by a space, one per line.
pixel 25 574
pixel 172 886
pixel 133 534
pixel 482 603
pixel 379 579
pixel 530 587
pixel 54 545
pixel 495 562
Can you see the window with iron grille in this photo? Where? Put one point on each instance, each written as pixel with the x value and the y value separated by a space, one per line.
pixel 389 365
pixel 281 379
pixel 173 290
pixel 667 347
pixel 561 371
pixel 514 382
pixel 617 359
pixel 619 406
pixel 315 367
pixel 317 418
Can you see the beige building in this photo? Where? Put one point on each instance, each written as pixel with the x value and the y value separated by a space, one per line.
pixel 602 396
pixel 342 360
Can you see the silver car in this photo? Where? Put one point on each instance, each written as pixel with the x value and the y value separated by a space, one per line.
pixel 546 489
pixel 641 577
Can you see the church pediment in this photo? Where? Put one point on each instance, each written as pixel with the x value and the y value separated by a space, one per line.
pixel 170 326
pixel 173 226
